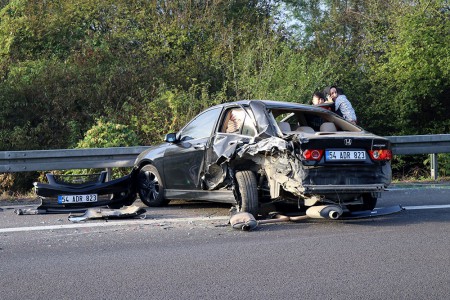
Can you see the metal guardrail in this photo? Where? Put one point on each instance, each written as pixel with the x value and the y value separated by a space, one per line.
pixel 65 159
pixel 420 144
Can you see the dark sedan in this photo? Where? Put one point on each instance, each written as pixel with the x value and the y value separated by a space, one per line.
pixel 253 153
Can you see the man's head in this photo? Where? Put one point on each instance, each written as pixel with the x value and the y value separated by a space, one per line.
pixel 318 98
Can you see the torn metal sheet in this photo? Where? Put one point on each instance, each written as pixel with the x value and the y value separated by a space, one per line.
pixel 106 213
pixel 273 155
pixel 268 145
pixel 264 121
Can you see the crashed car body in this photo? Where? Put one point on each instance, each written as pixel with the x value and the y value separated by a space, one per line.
pixel 256 152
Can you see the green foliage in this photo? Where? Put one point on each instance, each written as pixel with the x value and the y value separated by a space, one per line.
pixel 414 69
pixel 443 164
pixel 65 64
pixel 107 134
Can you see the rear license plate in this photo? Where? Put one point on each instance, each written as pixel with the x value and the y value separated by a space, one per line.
pixel 77 198
pixel 332 155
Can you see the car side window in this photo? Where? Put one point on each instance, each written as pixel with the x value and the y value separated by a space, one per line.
pixel 237 121
pixel 201 126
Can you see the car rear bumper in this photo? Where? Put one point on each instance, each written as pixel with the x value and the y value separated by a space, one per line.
pixel 356 188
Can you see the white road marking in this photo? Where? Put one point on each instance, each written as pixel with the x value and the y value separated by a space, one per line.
pixel 162 222
pixel 426 207
pixel 114 223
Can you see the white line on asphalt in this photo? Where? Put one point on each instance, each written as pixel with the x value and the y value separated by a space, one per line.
pixel 426 207
pixel 162 222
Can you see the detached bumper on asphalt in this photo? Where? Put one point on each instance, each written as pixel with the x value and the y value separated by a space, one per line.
pixel 114 193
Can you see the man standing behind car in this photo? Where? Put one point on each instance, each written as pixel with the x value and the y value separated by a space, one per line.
pixel 342 106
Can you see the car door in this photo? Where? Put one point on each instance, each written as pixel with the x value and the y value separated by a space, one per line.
pixel 183 161
pixel 237 126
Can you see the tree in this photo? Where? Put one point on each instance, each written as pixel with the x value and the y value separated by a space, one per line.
pixel 410 75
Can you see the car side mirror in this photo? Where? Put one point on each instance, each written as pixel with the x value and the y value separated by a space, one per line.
pixel 171 138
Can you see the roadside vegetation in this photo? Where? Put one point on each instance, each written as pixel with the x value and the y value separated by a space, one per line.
pixel 85 73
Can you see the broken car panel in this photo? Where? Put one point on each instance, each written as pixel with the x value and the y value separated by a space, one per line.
pixel 63 193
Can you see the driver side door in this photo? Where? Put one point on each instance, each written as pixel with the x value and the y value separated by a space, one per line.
pixel 183 160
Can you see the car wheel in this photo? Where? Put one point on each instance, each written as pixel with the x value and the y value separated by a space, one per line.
pixel 150 187
pixel 369 203
pixel 247 192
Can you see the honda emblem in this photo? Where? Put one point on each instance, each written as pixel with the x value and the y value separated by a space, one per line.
pixel 347 142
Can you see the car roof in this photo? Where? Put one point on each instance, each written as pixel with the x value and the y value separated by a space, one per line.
pixel 273 104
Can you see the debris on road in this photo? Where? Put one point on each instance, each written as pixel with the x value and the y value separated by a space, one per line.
pixel 29 211
pixel 246 221
pixel 107 213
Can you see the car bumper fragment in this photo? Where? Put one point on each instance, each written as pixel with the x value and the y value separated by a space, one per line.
pixel 105 213
pixel 365 188
pixel 110 192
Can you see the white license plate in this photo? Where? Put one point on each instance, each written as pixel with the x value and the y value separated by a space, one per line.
pixel 77 198
pixel 345 155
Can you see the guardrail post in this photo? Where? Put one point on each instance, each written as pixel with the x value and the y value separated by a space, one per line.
pixel 108 174
pixel 434 166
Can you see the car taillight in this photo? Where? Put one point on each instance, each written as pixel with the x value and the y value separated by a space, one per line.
pixel 380 154
pixel 313 154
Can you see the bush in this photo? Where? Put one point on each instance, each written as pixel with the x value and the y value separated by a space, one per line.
pixel 106 134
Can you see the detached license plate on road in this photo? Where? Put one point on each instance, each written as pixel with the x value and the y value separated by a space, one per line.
pixel 344 155
pixel 77 198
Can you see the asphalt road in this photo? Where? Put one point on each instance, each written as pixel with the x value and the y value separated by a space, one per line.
pixel 187 251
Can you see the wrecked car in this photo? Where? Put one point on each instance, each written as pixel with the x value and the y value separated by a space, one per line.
pixel 256 153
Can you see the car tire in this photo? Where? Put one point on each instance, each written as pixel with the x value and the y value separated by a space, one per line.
pixel 247 192
pixel 150 187
pixel 369 203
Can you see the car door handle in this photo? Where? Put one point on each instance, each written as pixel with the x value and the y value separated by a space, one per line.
pixel 200 147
